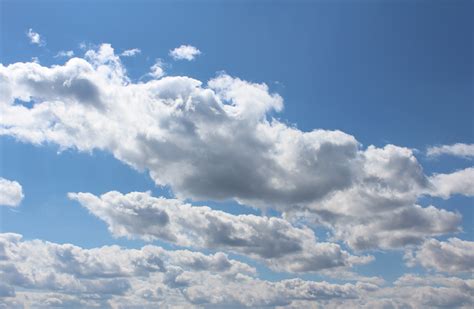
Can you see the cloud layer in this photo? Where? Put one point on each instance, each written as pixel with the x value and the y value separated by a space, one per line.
pixel 45 274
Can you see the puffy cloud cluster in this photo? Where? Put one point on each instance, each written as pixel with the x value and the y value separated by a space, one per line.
pixel 458 150
pixel 216 141
pixel 46 274
pixel 11 193
pixel 275 241
pixel 185 52
pixel 451 256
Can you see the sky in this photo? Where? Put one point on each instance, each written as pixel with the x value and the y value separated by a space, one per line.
pixel 284 154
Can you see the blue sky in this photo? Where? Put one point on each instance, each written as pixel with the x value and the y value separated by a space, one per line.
pixel 384 73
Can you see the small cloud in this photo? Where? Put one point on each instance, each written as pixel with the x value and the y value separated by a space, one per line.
pixel 185 52
pixel 157 70
pixel 63 53
pixel 83 45
pixel 457 150
pixel 11 193
pixel 35 38
pixel 35 59
pixel 131 52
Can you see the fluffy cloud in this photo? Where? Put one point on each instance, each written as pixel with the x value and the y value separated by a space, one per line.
pixel 276 242
pixel 459 182
pixel 451 256
pixel 11 193
pixel 433 291
pixel 35 38
pixel 46 274
pixel 379 209
pixel 458 150
pixel 216 141
pixel 185 52
pixel 130 52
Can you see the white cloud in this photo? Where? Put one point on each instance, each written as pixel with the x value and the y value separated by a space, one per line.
pixel 433 291
pixel 272 240
pixel 131 52
pixel 458 150
pixel 11 193
pixel 217 141
pixel 156 70
pixel 46 274
pixel 451 256
pixel 379 209
pixel 35 38
pixel 185 52
pixel 446 185
pixel 65 53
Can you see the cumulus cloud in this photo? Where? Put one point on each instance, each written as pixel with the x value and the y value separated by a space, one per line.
pixel 218 141
pixel 35 38
pixel 433 291
pixel 130 52
pixel 273 240
pixel 65 53
pixel 185 52
pixel 46 274
pixel 379 209
pixel 11 193
pixel 451 256
pixel 459 182
pixel 457 150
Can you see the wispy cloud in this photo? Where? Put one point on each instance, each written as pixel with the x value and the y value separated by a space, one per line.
pixel 131 52
pixel 35 38
pixel 65 53
pixel 457 150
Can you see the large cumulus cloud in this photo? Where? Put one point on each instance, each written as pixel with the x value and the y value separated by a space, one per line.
pixel 218 141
